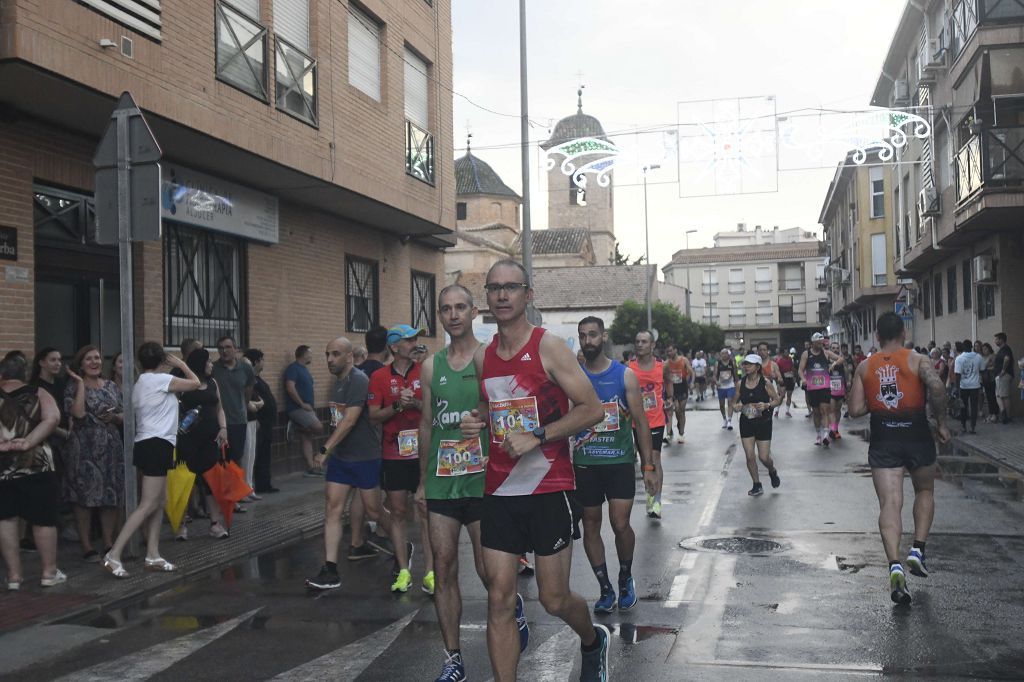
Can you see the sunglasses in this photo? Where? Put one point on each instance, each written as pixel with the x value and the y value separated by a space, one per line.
pixel 507 287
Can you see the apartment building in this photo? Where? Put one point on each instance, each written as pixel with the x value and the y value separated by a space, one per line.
pixel 858 218
pixel 957 197
pixel 772 293
pixel 743 236
pixel 307 175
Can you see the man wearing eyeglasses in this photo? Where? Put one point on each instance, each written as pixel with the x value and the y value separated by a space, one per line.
pixel 236 380
pixel 529 379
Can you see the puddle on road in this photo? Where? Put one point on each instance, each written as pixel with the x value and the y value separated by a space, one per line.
pixel 634 634
pixel 841 563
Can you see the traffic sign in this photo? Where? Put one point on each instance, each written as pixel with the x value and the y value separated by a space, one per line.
pixel 904 310
pixel 144 201
pixel 142 146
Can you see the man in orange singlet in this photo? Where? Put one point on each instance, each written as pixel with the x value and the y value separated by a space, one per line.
pixel 770 370
pixel 894 385
pixel 654 377
pixel 681 377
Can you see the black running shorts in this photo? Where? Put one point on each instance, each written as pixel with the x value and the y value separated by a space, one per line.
pixel 657 436
pixel 400 474
pixel 465 510
pixel 789 384
pixel 758 429
pixel 901 454
pixel 819 398
pixel 153 457
pixel 543 524
pixel 34 498
pixel 596 483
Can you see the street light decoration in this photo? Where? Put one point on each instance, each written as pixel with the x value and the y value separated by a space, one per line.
pixel 576 161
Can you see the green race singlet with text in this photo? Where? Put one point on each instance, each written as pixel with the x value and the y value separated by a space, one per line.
pixel 456 468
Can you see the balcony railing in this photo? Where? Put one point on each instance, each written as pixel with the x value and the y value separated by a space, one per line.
pixel 419 153
pixel 762 287
pixel 969 14
pixel 763 319
pixel 791 284
pixel 993 158
pixel 821 283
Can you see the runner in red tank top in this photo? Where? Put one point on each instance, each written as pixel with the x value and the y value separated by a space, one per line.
pixel 528 378
pixel 654 377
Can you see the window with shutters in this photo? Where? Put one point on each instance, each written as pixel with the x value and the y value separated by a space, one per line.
pixel 736 283
pixel 423 308
pixel 763 279
pixel 710 283
pixel 879 266
pixel 876 175
pixel 792 308
pixel 791 276
pixel 764 312
pixel 295 69
pixel 419 142
pixel 951 290
pixel 710 313
pixel 362 304
pixel 142 16
pixel 241 46
pixel 737 314
pixel 363 53
pixel 966 270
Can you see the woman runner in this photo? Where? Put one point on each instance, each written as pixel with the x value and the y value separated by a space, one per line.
pixel 756 400
pixel 839 379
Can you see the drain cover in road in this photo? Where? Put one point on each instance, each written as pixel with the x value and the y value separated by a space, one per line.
pixel 731 545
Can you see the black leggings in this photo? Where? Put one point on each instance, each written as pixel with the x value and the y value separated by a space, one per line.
pixel 990 398
pixel 970 399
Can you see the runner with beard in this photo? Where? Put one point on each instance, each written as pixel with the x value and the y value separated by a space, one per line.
pixel 604 457
pixel 653 376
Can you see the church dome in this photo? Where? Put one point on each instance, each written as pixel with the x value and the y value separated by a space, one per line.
pixel 474 176
pixel 574 127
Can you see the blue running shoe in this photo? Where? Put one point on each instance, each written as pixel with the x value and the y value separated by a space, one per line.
pixel 915 562
pixel 606 604
pixel 627 595
pixel 594 667
pixel 453 670
pixel 521 624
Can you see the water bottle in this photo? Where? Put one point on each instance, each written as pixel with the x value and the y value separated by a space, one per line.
pixel 189 420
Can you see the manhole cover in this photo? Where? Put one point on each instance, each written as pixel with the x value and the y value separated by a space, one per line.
pixel 731 545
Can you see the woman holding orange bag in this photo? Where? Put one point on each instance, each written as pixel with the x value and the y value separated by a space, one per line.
pixel 156 431
pixel 200 444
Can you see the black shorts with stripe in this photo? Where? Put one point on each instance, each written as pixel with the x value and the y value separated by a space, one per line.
pixel 544 524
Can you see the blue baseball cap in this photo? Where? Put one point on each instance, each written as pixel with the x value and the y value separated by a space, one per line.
pixel 402 331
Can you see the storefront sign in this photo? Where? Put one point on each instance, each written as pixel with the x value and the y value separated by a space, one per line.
pixel 8 243
pixel 201 200
pixel 15 275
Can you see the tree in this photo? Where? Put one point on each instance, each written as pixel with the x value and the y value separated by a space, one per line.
pixel 619 258
pixel 671 323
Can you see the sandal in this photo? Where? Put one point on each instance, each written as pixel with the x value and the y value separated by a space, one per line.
pixel 160 565
pixel 13 585
pixel 115 567
pixel 92 557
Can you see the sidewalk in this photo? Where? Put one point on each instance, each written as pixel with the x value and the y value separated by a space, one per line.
pixel 1000 445
pixel 294 514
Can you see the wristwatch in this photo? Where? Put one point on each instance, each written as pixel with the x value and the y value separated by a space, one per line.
pixel 323 450
pixel 397 406
pixel 540 434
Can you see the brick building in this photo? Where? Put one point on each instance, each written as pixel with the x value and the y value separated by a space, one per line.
pixel 307 182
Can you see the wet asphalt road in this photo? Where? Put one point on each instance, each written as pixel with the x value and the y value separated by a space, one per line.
pixel 815 608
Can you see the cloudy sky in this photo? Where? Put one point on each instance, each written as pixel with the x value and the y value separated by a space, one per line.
pixel 639 60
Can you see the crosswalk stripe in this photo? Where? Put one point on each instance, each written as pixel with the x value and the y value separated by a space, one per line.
pixel 155 659
pixel 553 660
pixel 351 660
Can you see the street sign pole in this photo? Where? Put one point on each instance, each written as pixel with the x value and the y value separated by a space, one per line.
pixel 124 248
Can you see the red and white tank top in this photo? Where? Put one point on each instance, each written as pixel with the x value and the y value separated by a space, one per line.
pixel 520 397
pixel 652 386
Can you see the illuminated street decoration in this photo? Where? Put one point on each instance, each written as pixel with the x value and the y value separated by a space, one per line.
pixel 815 141
pixel 585 156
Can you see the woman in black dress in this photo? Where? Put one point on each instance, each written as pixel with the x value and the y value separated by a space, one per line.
pixel 756 399
pixel 200 447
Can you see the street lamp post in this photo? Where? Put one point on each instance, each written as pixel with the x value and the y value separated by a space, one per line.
pixel 688 290
pixel 647 243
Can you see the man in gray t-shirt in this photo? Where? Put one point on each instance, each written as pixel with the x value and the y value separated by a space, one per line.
pixel 236 380
pixel 355 451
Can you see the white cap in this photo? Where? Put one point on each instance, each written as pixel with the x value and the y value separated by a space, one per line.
pixel 753 359
pixel 792 350
pixel 817 336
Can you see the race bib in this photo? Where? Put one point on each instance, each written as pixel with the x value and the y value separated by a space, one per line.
pixel 460 458
pixel 787 375
pixel 650 400
pixel 408 442
pixel 611 418
pixel 725 377
pixel 817 379
pixel 337 413
pixel 677 378
pixel 836 384
pixel 751 412
pixel 518 415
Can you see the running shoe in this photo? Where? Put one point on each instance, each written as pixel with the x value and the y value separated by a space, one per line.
pixel 650 504
pixel 666 443
pixel 627 595
pixel 836 435
pixel 428 583
pixel 326 579
pixel 182 534
pixel 218 531
pixel 58 578
pixel 403 582
pixel 525 567
pixel 789 414
pixel 681 440
pixel 824 442
pixel 915 562
pixel 817 441
pixel 594 667
pixel 363 551
pixel 898 586
pixel 774 475
pixel 655 510
pixel 409 550
pixel 730 426
pixel 725 424
pixel 606 604
pixel 756 490
pixel 453 670
pixel 521 624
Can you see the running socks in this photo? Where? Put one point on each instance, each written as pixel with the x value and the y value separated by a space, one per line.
pixel 918 546
pixel 625 571
pixel 594 646
pixel 601 573
pixel 332 566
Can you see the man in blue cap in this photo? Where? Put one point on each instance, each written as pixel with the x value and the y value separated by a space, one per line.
pixel 395 401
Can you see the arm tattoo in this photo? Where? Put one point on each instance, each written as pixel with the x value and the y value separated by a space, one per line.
pixel 936 391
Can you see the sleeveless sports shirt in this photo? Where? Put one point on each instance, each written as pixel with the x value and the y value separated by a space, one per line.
pixel 652 389
pixel 456 468
pixel 520 398
pixel 816 372
pixel 758 394
pixel 895 398
pixel 611 441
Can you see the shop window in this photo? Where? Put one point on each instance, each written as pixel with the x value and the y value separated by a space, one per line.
pixel 361 294
pixel 423 309
pixel 204 286
pixel 242 47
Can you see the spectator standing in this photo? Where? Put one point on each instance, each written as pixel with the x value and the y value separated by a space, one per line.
pixel 298 401
pixel 46 374
pixel 1004 374
pixel 94 454
pixel 265 417
pixel 988 382
pixel 251 428
pixel 117 371
pixel 236 380
pixel 967 374
pixel 156 419
pixel 359 355
pixel 376 350
pixel 29 487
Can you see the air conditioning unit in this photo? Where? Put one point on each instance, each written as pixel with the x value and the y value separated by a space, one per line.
pixel 982 269
pixel 901 92
pixel 935 58
pixel 928 202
